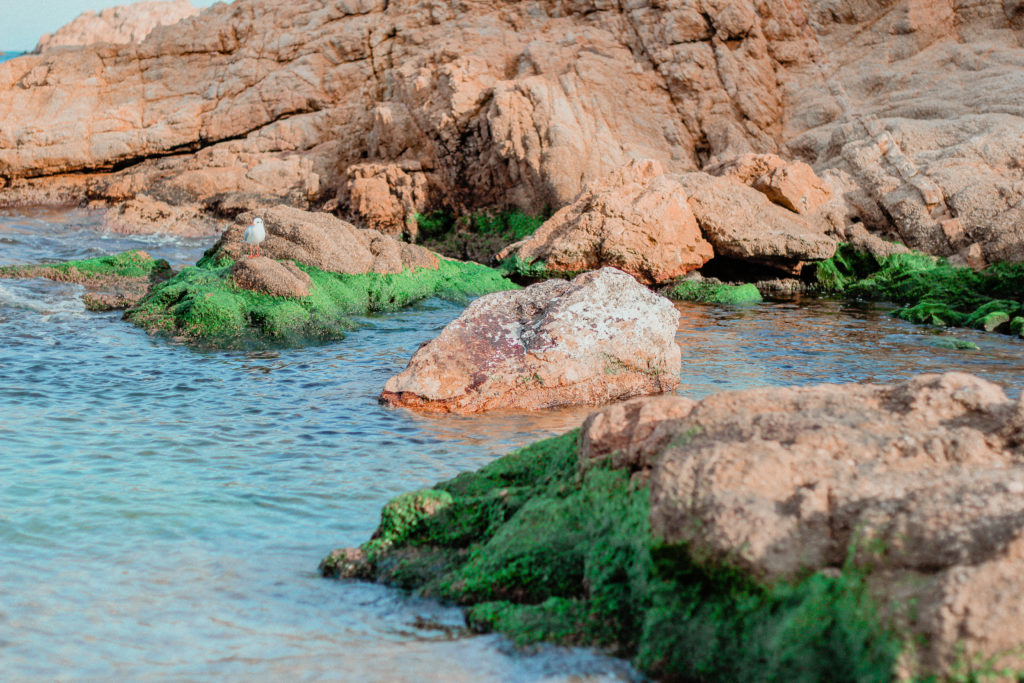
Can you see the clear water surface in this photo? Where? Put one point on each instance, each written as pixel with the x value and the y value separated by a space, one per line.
pixel 163 510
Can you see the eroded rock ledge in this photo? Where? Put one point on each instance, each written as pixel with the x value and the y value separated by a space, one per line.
pixel 759 534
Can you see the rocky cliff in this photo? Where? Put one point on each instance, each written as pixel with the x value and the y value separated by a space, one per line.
pixel 907 109
pixel 122 24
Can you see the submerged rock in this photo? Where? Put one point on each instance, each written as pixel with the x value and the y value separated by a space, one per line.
pixel 636 220
pixel 598 338
pixel 111 282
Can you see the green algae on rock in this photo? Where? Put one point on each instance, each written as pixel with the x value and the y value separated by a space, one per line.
pixel 477 236
pixel 715 292
pixel 112 281
pixel 203 304
pixel 933 291
pixel 543 549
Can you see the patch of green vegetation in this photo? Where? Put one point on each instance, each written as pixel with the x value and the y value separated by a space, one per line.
pixel 127 264
pixel 955 344
pixel 203 305
pixel 514 266
pixel 715 293
pixel 933 291
pixel 477 236
pixel 545 550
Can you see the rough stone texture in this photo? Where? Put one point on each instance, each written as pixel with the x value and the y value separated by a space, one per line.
pixel 144 215
pixel 325 242
pixel 741 223
pixel 636 220
pixel 121 24
pixel 598 338
pixel 261 274
pixel 923 479
pixel 909 109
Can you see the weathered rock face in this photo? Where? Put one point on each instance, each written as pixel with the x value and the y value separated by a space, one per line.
pixel 122 24
pixel 598 338
pixel 909 109
pixel 276 278
pixel 144 215
pixel 741 223
pixel 325 242
pixel 792 184
pixel 636 220
pixel 923 480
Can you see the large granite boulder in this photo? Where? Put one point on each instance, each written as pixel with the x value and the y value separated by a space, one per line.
pixel 598 338
pixel 919 483
pixel 636 220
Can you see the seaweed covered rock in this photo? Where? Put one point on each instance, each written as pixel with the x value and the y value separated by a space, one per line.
pixel 111 282
pixel 318 272
pixel 598 338
pixel 933 291
pixel 323 241
pixel 832 532
pixel 206 304
pixel 636 220
pixel 714 291
pixel 741 223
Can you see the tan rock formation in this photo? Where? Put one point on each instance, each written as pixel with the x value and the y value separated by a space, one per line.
pixel 922 480
pixel 598 338
pixel 741 223
pixel 792 184
pixel 121 24
pixel 636 220
pixel 144 215
pixel 325 242
pixel 277 278
pixel 909 109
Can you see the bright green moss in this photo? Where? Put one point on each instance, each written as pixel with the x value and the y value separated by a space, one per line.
pixel 543 550
pixel 1017 326
pixel 933 291
pixel 202 304
pixel 476 236
pixel 715 293
pixel 127 264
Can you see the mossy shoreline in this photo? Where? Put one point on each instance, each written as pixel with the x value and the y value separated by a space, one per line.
pixel 931 290
pixel 203 305
pixel 543 550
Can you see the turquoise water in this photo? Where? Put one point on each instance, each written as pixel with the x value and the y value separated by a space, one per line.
pixel 4 56
pixel 163 510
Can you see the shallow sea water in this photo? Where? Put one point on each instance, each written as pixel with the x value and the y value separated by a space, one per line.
pixel 163 510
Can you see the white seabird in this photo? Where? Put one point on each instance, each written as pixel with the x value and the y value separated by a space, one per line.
pixel 254 234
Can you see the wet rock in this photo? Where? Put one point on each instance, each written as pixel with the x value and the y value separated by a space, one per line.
pixel 277 278
pixel 598 338
pixel 636 220
pixel 921 481
pixel 121 24
pixel 325 242
pixel 742 224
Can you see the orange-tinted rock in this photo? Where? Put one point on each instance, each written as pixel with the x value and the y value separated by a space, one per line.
pixel 742 224
pixel 792 184
pixel 277 278
pixel 598 338
pixel 144 215
pixel 325 242
pixel 923 481
pixel 121 24
pixel 636 220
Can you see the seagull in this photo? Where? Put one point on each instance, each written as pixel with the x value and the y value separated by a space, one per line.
pixel 255 234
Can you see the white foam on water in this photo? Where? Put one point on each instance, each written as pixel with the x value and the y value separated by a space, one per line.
pixel 49 301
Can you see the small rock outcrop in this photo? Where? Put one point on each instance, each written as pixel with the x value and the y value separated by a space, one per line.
pixel 121 24
pixel 741 223
pixel 325 242
pixel 598 338
pixel 144 215
pixel 636 220
pixel 922 481
pixel 791 184
pixel 277 278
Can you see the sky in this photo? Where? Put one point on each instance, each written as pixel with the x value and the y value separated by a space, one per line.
pixel 23 22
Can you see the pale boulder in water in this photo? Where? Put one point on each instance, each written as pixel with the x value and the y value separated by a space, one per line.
pixel 598 338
